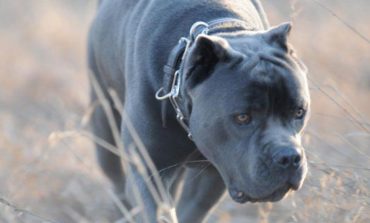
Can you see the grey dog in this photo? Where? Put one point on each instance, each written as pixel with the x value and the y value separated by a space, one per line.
pixel 206 83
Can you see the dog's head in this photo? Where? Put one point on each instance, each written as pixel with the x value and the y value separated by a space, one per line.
pixel 248 101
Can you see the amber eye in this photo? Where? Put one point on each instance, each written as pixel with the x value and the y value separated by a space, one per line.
pixel 243 119
pixel 299 113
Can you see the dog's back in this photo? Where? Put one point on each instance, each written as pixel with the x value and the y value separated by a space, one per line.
pixel 133 38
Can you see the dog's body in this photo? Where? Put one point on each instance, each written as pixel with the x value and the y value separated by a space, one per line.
pixel 228 78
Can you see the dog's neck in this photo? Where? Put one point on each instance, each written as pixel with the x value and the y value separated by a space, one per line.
pixel 173 70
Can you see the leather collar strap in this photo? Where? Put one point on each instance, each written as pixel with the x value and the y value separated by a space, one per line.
pixel 172 70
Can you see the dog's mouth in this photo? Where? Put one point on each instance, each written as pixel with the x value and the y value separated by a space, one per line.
pixel 276 195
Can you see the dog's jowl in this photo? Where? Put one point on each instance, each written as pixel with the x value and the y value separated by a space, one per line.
pixel 217 97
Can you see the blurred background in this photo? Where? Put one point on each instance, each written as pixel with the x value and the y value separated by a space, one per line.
pixel 48 171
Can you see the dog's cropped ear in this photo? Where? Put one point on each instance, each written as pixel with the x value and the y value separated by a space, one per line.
pixel 204 54
pixel 278 35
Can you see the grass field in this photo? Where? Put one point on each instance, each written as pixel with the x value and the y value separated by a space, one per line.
pixel 48 170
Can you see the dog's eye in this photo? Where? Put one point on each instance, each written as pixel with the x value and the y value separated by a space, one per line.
pixel 243 119
pixel 299 113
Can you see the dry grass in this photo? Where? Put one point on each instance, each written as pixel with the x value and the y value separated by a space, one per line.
pixel 44 91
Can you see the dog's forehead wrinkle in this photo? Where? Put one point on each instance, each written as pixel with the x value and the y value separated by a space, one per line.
pixel 291 85
pixel 262 74
pixel 245 43
pixel 265 59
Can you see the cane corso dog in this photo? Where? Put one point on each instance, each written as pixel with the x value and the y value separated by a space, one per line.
pixel 218 98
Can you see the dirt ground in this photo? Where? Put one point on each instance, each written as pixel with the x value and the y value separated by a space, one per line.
pixel 48 171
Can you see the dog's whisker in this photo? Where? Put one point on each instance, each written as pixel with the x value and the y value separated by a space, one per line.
pixel 200 172
pixel 179 164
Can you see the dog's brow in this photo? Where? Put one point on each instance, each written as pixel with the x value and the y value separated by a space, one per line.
pixel 256 99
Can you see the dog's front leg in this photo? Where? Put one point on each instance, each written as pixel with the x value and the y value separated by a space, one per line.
pixel 203 187
pixel 140 197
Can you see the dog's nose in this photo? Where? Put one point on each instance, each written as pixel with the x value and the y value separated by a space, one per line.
pixel 287 158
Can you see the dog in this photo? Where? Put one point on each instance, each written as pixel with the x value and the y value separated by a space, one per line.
pixel 218 98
